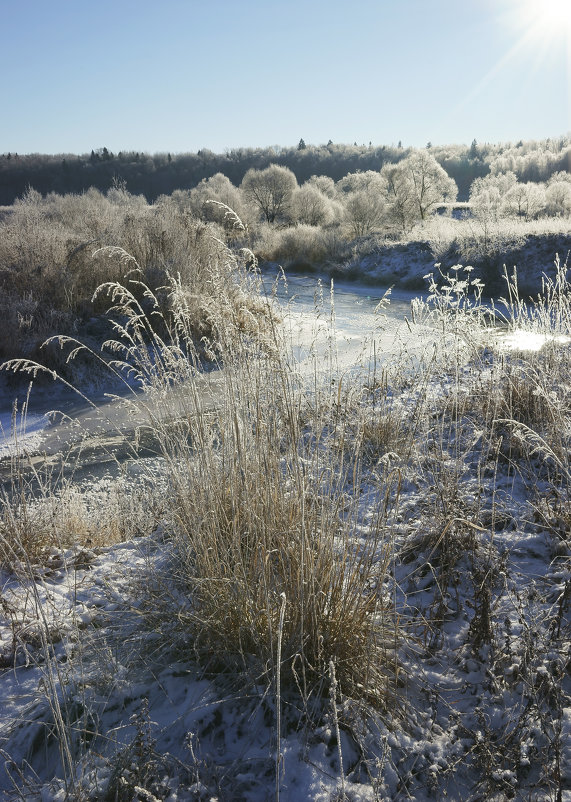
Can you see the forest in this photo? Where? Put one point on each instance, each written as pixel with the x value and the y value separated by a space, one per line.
pixel 162 173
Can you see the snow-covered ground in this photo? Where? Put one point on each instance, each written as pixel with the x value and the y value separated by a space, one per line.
pixel 100 697
pixel 484 711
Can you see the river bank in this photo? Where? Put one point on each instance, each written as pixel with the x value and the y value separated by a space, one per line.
pixel 405 264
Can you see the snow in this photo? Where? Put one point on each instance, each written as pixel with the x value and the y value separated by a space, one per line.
pixel 21 432
pixel 522 340
pixel 473 720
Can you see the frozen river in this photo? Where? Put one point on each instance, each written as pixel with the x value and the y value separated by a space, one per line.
pixel 357 326
pixel 353 328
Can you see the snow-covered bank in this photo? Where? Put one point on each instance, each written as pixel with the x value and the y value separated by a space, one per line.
pixel 405 264
pixel 94 660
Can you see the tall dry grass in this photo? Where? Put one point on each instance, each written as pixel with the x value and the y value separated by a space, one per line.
pixel 281 488
pixel 48 272
pixel 263 505
pixel 265 477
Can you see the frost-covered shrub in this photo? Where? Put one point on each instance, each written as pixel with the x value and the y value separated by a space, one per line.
pixel 310 206
pixel 220 189
pixel 558 198
pixel 302 244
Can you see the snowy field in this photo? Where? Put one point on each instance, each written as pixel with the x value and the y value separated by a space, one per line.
pixel 100 697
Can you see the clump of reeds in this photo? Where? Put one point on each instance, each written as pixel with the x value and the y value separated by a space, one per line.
pixel 259 504
pixel 532 393
pixel 43 511
pixel 262 506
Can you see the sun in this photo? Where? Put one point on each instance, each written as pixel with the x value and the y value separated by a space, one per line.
pixel 543 21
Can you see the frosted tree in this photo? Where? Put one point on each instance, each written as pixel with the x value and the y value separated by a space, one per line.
pixel 487 195
pixel 270 191
pixel 354 182
pixel 311 206
pixel 323 183
pixel 415 187
pixel 397 191
pixel 430 184
pixel 363 202
pixel 558 195
pixel 525 200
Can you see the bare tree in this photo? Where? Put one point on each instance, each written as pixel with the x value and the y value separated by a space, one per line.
pixel 415 187
pixel 270 190
pixel 311 206
pixel 362 197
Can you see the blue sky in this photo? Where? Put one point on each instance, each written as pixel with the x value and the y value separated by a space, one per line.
pixel 181 75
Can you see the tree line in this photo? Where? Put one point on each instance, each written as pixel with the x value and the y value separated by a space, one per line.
pixel 163 173
pixel 48 270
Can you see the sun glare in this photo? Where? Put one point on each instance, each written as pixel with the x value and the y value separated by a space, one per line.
pixel 545 20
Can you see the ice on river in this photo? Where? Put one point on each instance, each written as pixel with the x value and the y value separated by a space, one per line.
pixel 521 340
pixel 21 432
